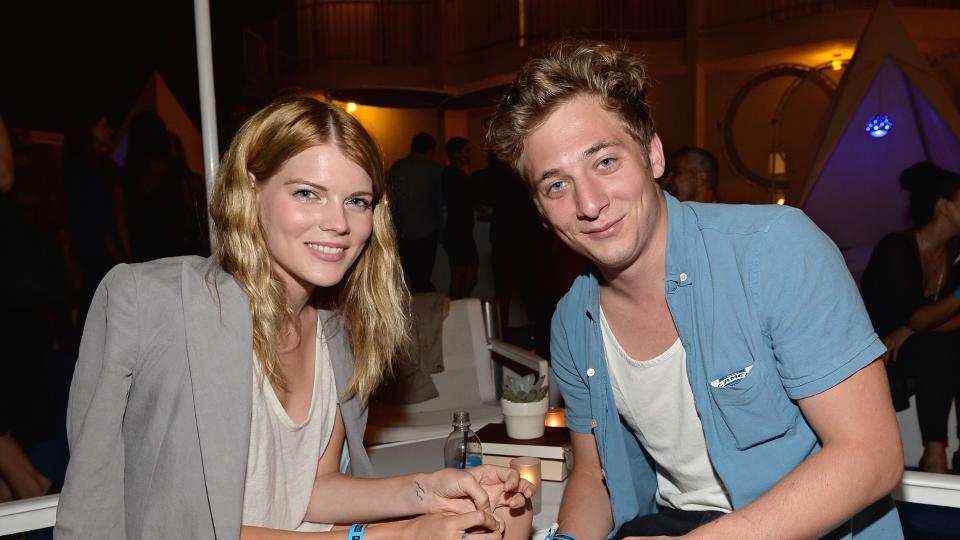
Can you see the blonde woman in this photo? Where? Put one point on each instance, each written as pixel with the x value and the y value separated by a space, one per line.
pixel 225 397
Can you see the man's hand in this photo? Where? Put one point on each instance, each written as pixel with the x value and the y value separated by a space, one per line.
pixel 894 341
pixel 478 488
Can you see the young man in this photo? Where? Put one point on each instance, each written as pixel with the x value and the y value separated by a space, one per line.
pixel 719 368
pixel 691 175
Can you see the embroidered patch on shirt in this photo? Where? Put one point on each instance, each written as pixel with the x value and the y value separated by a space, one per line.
pixel 732 379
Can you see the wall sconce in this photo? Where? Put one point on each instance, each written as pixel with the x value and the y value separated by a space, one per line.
pixel 836 64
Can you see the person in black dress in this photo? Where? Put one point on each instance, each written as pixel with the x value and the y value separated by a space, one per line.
pixel 910 289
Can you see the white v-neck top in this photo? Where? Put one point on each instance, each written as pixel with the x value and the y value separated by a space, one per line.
pixel 655 399
pixel 283 456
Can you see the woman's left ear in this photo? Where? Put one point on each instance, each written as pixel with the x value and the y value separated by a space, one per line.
pixel 254 186
pixel 941 205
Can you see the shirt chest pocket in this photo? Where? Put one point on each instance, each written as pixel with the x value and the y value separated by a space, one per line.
pixel 753 405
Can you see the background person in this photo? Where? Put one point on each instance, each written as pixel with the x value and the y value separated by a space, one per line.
pixel 160 209
pixel 417 199
pixel 910 288
pixel 458 239
pixel 691 175
pixel 217 397
pixel 95 224
pixel 517 234
pixel 32 289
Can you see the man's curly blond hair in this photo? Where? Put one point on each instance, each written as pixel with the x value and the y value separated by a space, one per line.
pixel 614 76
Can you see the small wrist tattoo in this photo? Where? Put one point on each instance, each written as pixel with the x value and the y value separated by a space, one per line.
pixel 420 490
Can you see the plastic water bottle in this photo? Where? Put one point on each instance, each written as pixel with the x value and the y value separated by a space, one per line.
pixel 462 449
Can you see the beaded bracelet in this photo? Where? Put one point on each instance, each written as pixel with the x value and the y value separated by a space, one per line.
pixel 355 532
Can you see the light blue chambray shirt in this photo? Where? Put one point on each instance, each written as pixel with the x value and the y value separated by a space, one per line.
pixel 747 285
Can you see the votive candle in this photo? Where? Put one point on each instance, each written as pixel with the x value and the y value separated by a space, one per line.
pixel 556 417
pixel 529 469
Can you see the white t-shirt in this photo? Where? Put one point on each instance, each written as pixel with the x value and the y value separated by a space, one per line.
pixel 655 399
pixel 283 456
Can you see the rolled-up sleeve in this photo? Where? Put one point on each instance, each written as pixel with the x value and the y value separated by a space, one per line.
pixel 810 307
pixel 92 502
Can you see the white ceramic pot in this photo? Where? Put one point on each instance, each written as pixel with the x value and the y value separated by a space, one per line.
pixel 524 420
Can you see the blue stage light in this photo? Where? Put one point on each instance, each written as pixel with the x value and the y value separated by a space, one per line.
pixel 879 125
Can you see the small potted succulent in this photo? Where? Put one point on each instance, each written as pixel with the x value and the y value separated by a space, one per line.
pixel 524 406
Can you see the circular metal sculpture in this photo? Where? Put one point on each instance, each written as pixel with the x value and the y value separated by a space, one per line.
pixel 802 74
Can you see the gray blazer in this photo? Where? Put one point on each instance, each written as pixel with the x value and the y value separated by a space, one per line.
pixel 159 414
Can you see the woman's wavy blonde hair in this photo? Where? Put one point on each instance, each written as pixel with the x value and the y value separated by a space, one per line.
pixel 371 297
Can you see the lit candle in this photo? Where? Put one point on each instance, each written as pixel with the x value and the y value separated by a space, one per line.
pixel 529 469
pixel 556 417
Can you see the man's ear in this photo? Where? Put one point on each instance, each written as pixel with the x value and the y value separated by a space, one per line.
pixel 655 156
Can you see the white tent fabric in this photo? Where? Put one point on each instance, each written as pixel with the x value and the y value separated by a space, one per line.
pixel 853 190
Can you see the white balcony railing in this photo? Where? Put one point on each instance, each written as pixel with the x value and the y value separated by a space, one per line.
pixel 916 487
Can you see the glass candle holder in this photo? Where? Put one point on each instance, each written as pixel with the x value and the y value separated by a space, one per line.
pixel 556 417
pixel 529 469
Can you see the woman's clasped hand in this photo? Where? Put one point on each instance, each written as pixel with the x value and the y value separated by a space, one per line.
pixel 484 488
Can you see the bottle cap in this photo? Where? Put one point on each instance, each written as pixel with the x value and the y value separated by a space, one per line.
pixel 461 418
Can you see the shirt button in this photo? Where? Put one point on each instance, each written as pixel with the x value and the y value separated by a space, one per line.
pixel 590 372
pixel 683 277
pixel 593 423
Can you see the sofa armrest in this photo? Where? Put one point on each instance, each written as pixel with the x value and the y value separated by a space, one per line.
pixel 529 360
pixel 928 488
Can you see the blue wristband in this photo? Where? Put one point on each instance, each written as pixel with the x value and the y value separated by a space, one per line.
pixel 356 531
pixel 560 536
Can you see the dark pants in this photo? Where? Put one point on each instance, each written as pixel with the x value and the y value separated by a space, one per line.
pixel 417 257
pixel 930 362
pixel 667 522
